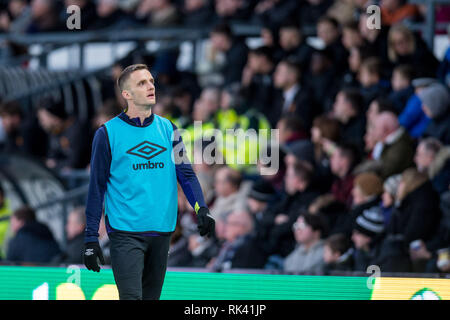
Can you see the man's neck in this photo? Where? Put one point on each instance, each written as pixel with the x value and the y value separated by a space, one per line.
pixel 141 112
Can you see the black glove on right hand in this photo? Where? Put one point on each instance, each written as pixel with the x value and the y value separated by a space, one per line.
pixel 205 223
pixel 92 251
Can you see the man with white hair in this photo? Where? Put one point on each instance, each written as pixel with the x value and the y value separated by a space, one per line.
pixel 240 249
pixel 394 149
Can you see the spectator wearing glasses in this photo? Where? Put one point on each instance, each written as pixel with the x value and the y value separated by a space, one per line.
pixel 307 257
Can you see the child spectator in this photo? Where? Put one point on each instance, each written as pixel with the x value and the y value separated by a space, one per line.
pixel 402 88
pixel 367 234
pixel 370 78
pixel 337 253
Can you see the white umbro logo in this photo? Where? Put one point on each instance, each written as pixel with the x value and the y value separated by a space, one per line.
pixel 89 252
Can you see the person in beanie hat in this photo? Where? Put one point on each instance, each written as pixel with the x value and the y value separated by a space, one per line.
pixel 435 100
pixel 262 191
pixel 261 194
pixel 370 223
pixel 367 233
pixel 436 105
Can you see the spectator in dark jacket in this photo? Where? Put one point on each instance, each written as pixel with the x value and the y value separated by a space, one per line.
pixel 76 223
pixel 324 132
pixel 293 44
pixel 417 213
pixel 367 233
pixel 197 13
pixel 292 97
pixel 257 79
pixel 370 79
pixel 33 241
pixel 234 49
pixel 429 251
pixel 328 31
pixel 280 218
pixel 348 109
pixel 402 88
pixel 404 47
pixel 68 147
pixel 22 134
pixel 275 12
pixel 436 105
pixel 238 248
pixel 311 11
pixel 322 79
pixel 376 39
pixel 179 254
pixel 44 15
pixel 415 217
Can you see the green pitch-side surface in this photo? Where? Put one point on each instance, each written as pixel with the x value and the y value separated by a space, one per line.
pixel 52 283
pixel 26 283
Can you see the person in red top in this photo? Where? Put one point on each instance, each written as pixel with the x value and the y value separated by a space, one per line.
pixel 342 162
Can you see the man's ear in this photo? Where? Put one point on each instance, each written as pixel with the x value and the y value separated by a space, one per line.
pixel 126 94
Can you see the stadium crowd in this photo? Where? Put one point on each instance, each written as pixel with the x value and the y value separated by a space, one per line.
pixel 363 121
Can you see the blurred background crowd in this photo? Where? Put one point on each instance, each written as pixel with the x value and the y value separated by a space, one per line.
pixel 363 116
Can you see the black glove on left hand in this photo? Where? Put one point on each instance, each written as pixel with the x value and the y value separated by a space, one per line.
pixel 205 223
pixel 92 251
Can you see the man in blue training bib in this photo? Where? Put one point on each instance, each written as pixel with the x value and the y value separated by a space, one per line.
pixel 134 172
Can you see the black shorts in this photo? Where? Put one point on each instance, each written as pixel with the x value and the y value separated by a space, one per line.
pixel 139 264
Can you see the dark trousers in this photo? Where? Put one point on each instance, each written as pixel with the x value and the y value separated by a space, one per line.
pixel 139 264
